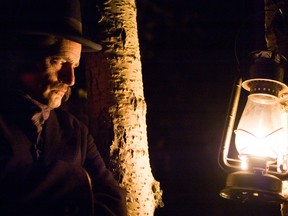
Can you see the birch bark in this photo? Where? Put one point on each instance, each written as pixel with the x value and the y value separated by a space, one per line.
pixel 277 40
pixel 117 107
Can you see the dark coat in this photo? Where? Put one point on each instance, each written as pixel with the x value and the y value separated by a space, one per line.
pixel 66 179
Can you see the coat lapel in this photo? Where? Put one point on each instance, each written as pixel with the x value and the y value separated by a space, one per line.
pixel 61 140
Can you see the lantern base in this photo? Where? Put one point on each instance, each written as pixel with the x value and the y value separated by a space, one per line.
pixel 246 186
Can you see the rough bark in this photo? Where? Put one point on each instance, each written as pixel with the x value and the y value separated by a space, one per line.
pixel 117 108
pixel 276 26
pixel 276 33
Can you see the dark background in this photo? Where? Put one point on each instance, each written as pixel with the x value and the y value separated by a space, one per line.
pixel 188 50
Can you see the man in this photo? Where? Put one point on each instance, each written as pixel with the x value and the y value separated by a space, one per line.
pixel 49 163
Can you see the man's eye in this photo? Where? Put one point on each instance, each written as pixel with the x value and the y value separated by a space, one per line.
pixel 58 61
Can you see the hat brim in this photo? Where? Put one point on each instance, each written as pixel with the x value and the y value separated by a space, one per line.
pixel 87 45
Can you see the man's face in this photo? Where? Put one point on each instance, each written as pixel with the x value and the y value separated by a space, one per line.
pixel 51 81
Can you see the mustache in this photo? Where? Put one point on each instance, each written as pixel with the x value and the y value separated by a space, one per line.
pixel 62 86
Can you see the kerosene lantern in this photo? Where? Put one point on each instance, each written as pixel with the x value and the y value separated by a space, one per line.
pixel 260 135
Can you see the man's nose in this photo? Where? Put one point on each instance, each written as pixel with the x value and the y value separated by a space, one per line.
pixel 66 75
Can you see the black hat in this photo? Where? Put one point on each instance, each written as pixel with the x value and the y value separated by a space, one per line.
pixel 48 17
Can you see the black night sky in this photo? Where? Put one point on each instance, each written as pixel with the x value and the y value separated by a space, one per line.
pixel 189 66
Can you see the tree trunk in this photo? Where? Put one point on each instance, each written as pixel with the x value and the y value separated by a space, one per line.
pixel 117 107
pixel 277 40
pixel 276 26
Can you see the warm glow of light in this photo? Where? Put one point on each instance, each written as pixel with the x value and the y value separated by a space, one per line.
pixel 262 129
pixel 244 164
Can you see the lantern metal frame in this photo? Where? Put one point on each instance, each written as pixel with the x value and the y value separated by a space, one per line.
pixel 263 184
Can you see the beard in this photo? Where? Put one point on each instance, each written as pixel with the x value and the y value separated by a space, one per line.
pixel 67 94
pixel 55 97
